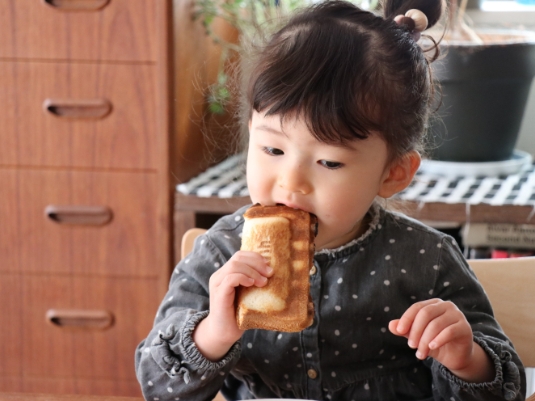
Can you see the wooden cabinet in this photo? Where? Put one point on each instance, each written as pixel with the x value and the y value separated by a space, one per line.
pixel 85 190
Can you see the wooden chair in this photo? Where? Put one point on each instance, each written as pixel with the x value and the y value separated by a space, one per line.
pixel 510 286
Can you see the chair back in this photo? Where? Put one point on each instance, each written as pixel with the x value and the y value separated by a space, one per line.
pixel 188 240
pixel 510 287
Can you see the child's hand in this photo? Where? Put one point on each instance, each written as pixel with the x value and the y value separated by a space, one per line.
pixel 440 330
pixel 215 335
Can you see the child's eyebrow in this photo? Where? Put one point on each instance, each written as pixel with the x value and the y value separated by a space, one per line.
pixel 271 130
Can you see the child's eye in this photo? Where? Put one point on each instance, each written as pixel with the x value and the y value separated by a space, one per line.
pixel 272 151
pixel 330 165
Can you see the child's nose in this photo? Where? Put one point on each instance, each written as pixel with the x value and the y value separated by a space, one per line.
pixel 295 180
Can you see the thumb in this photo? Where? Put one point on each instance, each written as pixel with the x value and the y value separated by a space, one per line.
pixel 393 327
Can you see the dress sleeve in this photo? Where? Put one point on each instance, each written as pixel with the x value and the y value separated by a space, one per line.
pixel 168 364
pixel 456 282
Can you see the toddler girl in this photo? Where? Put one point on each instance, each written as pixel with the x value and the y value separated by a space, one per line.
pixel 339 100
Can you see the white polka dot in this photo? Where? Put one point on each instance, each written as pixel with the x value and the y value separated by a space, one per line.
pixel 435 267
pixel 369 318
pixel 288 385
pixel 170 298
pixel 409 228
pixel 366 386
pixel 226 236
pixel 392 240
pixel 286 376
pixel 353 345
pixel 387 308
pixel 266 360
pixel 237 218
pixel 184 279
pixel 169 389
pixel 361 249
pixel 383 329
pixel 403 271
pixel 202 241
pixel 186 261
pixel 439 245
pixel 340 280
pixel 381 352
pixel 345 260
pixel 336 353
pixel 326 296
pixel 380 366
pixel 249 345
pixel 156 399
pixel 299 365
pixel 430 292
pixel 379 226
pixel 422 250
pixel 295 349
pixel 393 357
pixel 333 374
pixel 372 272
pixel 222 373
pixel 387 282
pixel 446 283
pixel 355 296
pixel 216 264
pixel 413 297
pixel 279 336
pixel 177 270
pixel 203 377
pixel 309 355
pixel 337 332
pixel 338 308
pixel 387 257
pixel 150 383
pixel 146 350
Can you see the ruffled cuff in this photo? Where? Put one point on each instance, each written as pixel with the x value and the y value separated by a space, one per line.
pixel 189 359
pixel 506 383
pixel 192 353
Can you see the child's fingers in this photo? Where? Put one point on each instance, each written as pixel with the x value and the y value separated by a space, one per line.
pixel 405 323
pixel 249 264
pixel 430 314
pixel 441 324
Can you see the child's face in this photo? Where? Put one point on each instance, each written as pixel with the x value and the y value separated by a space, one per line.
pixel 287 165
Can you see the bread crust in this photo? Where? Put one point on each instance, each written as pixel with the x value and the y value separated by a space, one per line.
pixel 285 237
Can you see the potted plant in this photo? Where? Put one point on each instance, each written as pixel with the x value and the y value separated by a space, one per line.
pixel 485 78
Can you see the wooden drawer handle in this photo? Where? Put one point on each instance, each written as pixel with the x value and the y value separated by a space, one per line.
pixel 78 108
pixel 77 5
pixel 80 318
pixel 79 215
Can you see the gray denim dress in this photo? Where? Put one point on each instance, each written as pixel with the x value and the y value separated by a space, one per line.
pixel 348 353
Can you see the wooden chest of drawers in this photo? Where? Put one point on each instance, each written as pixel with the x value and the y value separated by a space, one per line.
pixel 85 190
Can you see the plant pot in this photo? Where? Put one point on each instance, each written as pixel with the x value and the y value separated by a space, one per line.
pixel 485 90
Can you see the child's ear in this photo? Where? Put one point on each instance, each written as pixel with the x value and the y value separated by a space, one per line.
pixel 399 174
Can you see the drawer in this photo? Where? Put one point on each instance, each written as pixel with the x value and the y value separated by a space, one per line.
pixel 78 115
pixel 105 30
pixel 62 336
pixel 10 329
pixel 91 223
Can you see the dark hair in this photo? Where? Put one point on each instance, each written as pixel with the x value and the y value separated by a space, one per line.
pixel 348 73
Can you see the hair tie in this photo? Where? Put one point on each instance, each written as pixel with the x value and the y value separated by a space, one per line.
pixel 415 20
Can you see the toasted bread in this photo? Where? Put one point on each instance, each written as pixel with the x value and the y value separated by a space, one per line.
pixel 285 237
